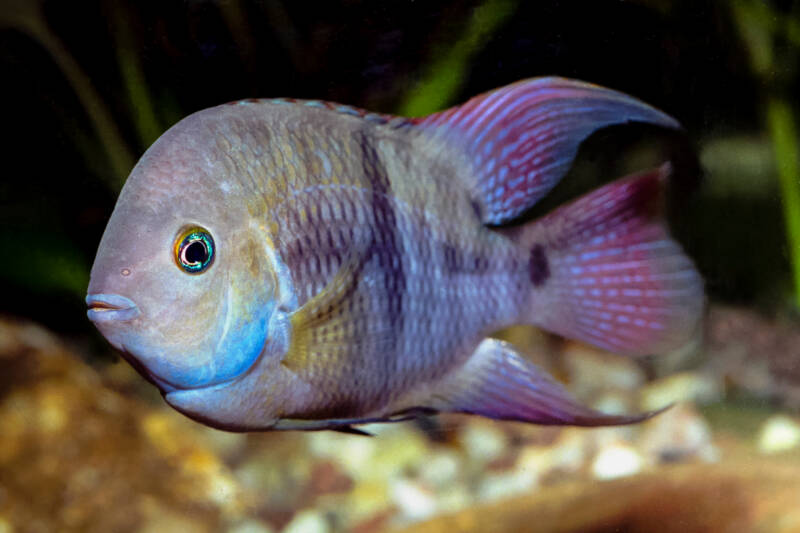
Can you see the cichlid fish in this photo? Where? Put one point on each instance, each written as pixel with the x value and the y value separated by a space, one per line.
pixel 286 264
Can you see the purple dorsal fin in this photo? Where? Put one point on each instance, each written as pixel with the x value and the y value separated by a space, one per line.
pixel 522 138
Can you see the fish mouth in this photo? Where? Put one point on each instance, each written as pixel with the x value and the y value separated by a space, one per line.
pixel 108 307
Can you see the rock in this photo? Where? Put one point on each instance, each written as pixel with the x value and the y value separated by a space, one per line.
pixel 250 526
pixel 77 456
pixel 592 370
pixel 748 495
pixel 617 460
pixel 453 499
pixel 440 468
pixel 482 440
pixel 368 499
pixel 414 501
pixel 396 450
pixel 755 353
pixel 678 434
pixel 308 521
pixel 682 387
pixel 779 434
pixel 567 455
pixel 500 485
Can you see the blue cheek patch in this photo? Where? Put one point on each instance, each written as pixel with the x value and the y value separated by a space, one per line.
pixel 206 365
pixel 240 349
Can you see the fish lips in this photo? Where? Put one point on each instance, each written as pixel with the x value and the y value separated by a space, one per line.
pixel 110 307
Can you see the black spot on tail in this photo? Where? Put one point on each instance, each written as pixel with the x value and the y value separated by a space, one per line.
pixel 538 267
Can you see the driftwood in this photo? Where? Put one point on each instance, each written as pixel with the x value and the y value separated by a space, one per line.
pixel 743 496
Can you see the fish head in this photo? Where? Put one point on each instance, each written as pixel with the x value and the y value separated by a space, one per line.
pixel 182 283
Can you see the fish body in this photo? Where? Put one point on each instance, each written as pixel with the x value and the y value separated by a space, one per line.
pixel 278 264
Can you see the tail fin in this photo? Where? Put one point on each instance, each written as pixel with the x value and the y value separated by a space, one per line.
pixel 522 138
pixel 604 270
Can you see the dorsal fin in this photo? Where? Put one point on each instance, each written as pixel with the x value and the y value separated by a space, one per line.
pixel 521 139
pixel 342 109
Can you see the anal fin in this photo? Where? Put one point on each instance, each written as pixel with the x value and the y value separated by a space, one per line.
pixel 498 383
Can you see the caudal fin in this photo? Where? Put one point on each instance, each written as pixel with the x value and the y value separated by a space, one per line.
pixel 520 140
pixel 604 270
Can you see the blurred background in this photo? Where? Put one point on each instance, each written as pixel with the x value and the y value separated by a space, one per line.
pixel 85 444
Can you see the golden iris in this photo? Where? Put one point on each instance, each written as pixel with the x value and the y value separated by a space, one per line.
pixel 194 250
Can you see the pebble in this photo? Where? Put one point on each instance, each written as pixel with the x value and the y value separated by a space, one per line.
pixel 453 499
pixel 367 498
pixel 308 521
pixel 682 387
pixel 251 526
pixel 678 434
pixel 498 486
pixel 591 370
pixel 398 448
pixel 440 469
pixel 483 441
pixel 567 454
pixel 615 461
pixel 413 500
pixel 779 434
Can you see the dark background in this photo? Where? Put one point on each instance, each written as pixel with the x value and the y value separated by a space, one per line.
pixel 88 85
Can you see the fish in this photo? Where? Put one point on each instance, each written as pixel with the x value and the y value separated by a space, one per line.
pixel 281 264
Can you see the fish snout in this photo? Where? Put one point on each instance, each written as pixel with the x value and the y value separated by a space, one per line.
pixel 108 307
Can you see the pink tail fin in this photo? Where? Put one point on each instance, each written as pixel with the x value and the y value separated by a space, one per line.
pixel 521 139
pixel 605 271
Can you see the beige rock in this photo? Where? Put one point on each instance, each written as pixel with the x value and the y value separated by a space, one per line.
pixel 779 433
pixel 682 387
pixel 617 460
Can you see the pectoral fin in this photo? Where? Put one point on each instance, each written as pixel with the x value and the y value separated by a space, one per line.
pixel 325 322
pixel 496 382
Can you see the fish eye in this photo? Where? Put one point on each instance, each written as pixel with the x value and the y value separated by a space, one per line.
pixel 194 250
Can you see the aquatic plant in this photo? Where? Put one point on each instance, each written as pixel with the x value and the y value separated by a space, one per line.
pixel 764 29
pixel 447 70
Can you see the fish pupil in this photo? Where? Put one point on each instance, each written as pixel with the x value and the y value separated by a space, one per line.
pixel 196 253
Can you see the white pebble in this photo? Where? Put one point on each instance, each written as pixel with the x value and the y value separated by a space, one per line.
pixel 779 433
pixel 679 433
pixel 440 469
pixel 308 521
pixel 681 387
pixel 483 441
pixel 414 501
pixel 503 485
pixel 617 460
pixel 250 526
